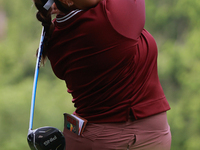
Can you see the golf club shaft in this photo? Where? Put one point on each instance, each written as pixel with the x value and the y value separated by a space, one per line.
pixel 36 79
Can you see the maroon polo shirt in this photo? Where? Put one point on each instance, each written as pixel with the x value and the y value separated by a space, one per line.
pixel 108 61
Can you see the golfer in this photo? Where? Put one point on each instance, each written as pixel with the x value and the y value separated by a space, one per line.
pixel 109 63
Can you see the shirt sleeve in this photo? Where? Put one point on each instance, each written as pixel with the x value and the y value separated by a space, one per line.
pixel 126 16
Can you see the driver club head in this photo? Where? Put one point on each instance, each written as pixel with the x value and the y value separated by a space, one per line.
pixel 46 138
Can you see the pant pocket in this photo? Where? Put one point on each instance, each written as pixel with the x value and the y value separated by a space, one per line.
pixel 92 131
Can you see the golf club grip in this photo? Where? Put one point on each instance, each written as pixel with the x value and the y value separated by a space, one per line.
pixel 39 54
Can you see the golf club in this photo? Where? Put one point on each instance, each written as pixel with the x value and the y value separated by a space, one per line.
pixel 43 138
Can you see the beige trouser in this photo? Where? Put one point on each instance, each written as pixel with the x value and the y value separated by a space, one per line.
pixel 152 133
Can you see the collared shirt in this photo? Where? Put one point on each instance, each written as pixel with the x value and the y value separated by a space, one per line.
pixel 108 61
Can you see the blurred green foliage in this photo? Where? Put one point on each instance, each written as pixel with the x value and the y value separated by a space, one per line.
pixel 173 23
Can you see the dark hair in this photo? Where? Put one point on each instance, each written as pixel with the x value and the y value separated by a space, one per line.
pixel 44 16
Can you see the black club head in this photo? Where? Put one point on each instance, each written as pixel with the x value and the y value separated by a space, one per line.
pixel 46 138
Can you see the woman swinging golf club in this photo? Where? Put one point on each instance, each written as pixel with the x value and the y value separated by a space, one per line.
pixel 109 63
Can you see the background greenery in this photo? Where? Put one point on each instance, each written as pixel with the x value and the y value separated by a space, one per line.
pixel 175 24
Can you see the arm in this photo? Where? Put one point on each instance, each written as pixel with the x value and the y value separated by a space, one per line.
pixel 68 5
pixel 85 4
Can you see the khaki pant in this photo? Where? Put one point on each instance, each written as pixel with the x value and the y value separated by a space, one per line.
pixel 152 133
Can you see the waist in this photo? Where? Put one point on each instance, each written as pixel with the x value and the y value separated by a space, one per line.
pixel 155 122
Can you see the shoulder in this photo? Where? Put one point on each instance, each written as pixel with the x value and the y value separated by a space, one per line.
pixel 127 16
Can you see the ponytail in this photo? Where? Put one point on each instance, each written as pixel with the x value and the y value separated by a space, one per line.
pixel 44 16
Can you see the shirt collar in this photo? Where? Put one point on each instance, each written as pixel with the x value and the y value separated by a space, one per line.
pixel 67 16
